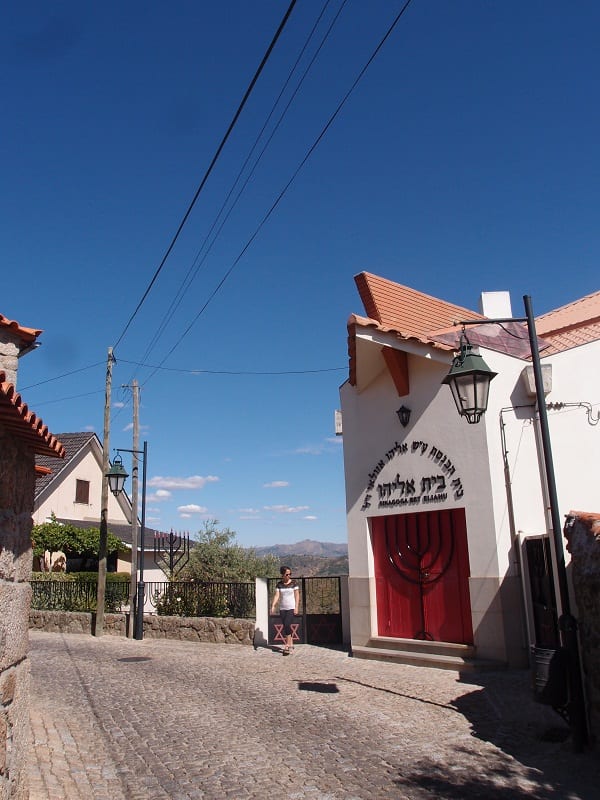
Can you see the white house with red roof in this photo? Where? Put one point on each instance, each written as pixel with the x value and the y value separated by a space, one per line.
pixel 450 557
pixel 71 491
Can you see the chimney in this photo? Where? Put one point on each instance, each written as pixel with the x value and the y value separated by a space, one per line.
pixel 15 341
pixel 495 305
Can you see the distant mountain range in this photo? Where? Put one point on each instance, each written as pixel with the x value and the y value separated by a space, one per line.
pixel 307 547
pixel 309 558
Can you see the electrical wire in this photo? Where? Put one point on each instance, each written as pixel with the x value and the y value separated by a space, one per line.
pixel 200 258
pixel 234 372
pixel 64 375
pixel 232 124
pixel 280 196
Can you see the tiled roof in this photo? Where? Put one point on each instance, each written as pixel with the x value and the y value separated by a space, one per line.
pixel 16 417
pixel 572 325
pixel 27 334
pixel 404 312
pixel 22 423
pixel 73 443
pixel 411 314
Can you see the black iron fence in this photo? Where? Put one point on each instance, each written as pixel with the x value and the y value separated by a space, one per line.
pixel 203 598
pixel 180 598
pixel 77 595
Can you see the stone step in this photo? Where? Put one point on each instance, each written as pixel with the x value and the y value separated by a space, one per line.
pixel 422 646
pixel 424 658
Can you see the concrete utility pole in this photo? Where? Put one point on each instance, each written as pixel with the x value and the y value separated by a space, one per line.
pixel 134 505
pixel 101 590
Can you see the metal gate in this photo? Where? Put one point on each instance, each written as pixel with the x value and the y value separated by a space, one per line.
pixel 320 618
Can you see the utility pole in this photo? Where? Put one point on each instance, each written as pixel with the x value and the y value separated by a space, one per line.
pixel 134 505
pixel 101 590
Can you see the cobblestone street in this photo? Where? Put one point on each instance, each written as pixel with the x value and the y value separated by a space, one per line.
pixel 114 718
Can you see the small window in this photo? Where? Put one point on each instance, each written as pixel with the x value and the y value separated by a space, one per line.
pixel 82 492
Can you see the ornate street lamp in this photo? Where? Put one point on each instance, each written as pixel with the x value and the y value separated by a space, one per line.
pixel 470 388
pixel 469 380
pixel 117 476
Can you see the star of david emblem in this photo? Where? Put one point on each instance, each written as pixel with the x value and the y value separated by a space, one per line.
pixel 279 637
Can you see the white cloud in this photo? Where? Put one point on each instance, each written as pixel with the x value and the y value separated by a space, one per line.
pixel 118 405
pixel 159 496
pixel 286 509
pixel 310 517
pixel 192 508
pixel 334 440
pixel 309 450
pixel 248 511
pixel 191 482
pixel 276 484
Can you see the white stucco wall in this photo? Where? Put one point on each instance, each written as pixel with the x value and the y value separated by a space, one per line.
pixel 61 494
pixel 377 449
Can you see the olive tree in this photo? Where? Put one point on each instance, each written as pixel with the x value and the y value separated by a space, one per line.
pixel 216 556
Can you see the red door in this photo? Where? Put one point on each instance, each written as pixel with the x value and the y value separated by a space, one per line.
pixel 421 576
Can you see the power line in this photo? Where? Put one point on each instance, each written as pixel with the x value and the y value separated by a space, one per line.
pixel 64 375
pixel 199 259
pixel 233 372
pixel 280 196
pixel 210 167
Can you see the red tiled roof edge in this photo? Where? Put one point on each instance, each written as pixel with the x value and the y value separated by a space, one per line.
pixel 355 321
pixel 24 424
pixel 27 334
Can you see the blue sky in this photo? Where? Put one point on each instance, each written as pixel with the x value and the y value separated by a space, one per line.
pixel 466 159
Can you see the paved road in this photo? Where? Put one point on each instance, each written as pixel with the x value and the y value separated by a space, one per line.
pixel 116 719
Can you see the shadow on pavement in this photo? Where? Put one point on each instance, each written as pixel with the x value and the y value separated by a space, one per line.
pixel 504 713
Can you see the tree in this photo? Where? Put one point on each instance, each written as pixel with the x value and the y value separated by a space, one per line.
pixel 73 541
pixel 216 556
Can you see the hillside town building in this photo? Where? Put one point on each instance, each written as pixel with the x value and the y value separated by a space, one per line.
pixel 450 557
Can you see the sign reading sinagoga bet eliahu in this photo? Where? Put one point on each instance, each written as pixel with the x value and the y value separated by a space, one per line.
pixel 434 480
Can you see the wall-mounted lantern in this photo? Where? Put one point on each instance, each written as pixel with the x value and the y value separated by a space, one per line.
pixel 403 415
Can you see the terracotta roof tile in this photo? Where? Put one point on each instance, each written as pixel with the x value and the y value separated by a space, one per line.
pixel 24 424
pixel 572 325
pixel 27 334
pixel 410 313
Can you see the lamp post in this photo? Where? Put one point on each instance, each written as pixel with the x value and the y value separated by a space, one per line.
pixel 469 382
pixel 116 480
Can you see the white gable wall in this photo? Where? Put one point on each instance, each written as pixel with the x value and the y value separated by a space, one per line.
pixel 59 495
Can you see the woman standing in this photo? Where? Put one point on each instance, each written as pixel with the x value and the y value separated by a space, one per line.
pixel 287 594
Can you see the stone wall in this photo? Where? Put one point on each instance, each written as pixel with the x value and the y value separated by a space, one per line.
pixel 17 481
pixel 220 630
pixel 583 543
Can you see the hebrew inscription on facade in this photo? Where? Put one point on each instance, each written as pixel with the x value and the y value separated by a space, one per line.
pixel 435 480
